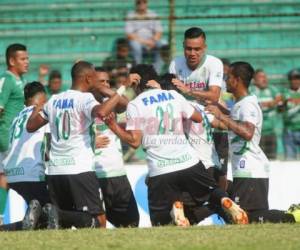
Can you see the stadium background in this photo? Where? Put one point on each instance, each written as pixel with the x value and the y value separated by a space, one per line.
pixel 59 32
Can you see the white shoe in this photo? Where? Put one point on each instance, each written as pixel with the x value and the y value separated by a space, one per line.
pixel 177 214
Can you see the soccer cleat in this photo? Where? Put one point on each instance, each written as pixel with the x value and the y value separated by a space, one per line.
pixel 32 215
pixel 295 211
pixel 52 216
pixel 177 214
pixel 239 216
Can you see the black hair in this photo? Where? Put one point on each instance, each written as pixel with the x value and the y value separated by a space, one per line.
pixel 100 69
pixel 12 49
pixel 244 71
pixel 165 82
pixel 294 74
pixel 122 42
pixel 146 72
pixel 33 88
pixel 54 74
pixel 225 61
pixel 79 68
pixel 194 32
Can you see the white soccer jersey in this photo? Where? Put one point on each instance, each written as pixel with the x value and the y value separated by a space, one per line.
pixel 247 158
pixel 158 114
pixel 108 160
pixel 70 120
pixel 208 73
pixel 201 138
pixel 25 160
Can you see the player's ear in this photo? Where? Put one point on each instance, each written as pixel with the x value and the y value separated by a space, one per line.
pixel 12 61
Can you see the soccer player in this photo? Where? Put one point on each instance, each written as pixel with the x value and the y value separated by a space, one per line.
pixel 199 78
pixel 24 165
pixel 120 204
pixel 155 121
pixel 269 98
pixel 11 103
pixel 72 182
pixel 250 166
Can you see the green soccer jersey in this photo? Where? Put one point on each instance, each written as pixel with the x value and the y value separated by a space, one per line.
pixel 12 101
pixel 292 112
pixel 269 114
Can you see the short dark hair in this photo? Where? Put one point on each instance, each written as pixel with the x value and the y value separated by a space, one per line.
pixel 100 69
pixel 194 32
pixel 225 61
pixel 146 72
pixel 244 71
pixel 12 49
pixel 294 74
pixel 54 74
pixel 79 68
pixel 122 42
pixel 165 82
pixel 33 88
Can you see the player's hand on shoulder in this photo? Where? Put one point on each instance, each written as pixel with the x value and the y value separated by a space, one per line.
pixel 181 86
pixel 213 109
pixel 133 79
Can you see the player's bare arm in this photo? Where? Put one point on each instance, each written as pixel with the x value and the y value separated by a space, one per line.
pixel 108 92
pixel 103 110
pixel 243 129
pixel 212 94
pixel 132 137
pixel 35 121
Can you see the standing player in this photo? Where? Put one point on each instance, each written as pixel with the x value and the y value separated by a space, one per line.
pixel 250 166
pixel 155 120
pixel 120 204
pixel 199 78
pixel 73 185
pixel 11 103
pixel 24 165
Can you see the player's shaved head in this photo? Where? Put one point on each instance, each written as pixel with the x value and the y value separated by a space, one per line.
pixel 80 69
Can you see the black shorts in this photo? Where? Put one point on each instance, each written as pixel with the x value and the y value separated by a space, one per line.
pixel 78 192
pixel 120 205
pixel 32 191
pixel 164 190
pixel 221 145
pixel 251 193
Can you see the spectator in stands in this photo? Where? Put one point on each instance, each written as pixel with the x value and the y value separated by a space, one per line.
pixel 119 58
pixel 11 102
pixel 54 84
pixel 165 54
pixel 144 32
pixel 269 98
pixel 292 115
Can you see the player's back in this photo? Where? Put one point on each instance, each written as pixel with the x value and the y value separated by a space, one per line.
pixel 69 116
pixel 158 114
pixel 25 158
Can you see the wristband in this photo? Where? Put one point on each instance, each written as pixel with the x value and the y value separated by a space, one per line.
pixel 120 91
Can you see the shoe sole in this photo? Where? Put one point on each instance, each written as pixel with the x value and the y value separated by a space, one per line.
pixel 238 215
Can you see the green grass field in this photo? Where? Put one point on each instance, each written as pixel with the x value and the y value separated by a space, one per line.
pixel 250 237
